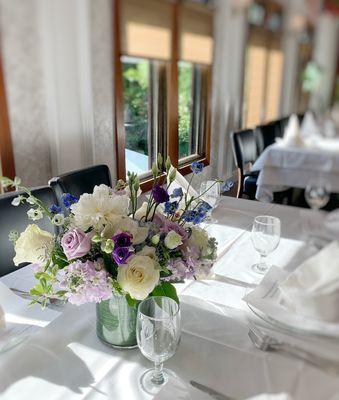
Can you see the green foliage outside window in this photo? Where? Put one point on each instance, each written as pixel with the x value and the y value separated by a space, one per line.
pixel 185 104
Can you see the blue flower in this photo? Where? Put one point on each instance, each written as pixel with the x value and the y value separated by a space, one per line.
pixel 177 192
pixel 55 209
pixel 171 208
pixel 68 199
pixel 199 217
pixel 189 215
pixel 197 167
pixel 204 207
pixel 227 185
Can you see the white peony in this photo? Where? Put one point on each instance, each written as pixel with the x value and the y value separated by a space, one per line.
pixel 33 245
pixel 199 238
pixel 173 240
pixel 139 277
pixel 99 209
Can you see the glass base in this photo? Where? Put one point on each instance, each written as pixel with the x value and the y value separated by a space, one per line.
pixel 151 387
pixel 260 268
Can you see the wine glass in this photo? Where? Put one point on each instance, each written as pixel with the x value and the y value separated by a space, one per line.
pixel 265 238
pixel 158 334
pixel 210 192
pixel 317 193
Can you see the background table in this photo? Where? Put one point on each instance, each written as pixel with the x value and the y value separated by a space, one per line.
pixel 283 167
pixel 65 360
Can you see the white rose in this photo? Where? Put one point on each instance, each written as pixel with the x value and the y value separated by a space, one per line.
pixel 172 240
pixel 199 238
pixel 139 277
pixel 148 251
pixel 98 209
pixel 33 245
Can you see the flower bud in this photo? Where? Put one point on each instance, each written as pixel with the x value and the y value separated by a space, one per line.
pixel 155 239
pixel 172 175
pixel 96 238
pixel 155 170
pixel 168 164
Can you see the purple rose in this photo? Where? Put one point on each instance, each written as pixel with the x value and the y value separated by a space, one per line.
pixel 121 255
pixel 160 195
pixel 123 239
pixel 76 243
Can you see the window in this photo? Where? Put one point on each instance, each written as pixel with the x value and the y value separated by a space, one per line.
pixel 264 63
pixel 164 106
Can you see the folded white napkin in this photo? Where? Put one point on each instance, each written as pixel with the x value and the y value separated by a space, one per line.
pixel 313 288
pixel 177 389
pixel 292 134
pixel 309 127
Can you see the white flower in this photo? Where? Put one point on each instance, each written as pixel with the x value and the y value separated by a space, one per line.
pixel 126 224
pixel 148 251
pixel 141 212
pixel 30 200
pixel 99 209
pixel 139 277
pixel 172 240
pixel 33 245
pixel 35 214
pixel 199 238
pixel 58 219
pixel 155 239
pixel 17 200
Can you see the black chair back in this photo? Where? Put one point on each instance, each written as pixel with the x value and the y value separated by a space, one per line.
pixel 268 133
pixel 246 145
pixel 15 218
pixel 81 181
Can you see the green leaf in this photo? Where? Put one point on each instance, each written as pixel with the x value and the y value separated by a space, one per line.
pixel 166 289
pixel 130 301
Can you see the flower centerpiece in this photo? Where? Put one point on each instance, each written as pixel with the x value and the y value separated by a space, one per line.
pixel 113 252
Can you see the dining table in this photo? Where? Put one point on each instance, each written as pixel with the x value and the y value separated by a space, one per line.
pixel 64 359
pixel 284 166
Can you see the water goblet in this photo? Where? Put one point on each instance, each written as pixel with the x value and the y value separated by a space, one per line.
pixel 158 334
pixel 210 192
pixel 317 193
pixel 265 238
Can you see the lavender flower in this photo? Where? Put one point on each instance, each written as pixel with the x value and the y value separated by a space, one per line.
pixel 68 199
pixel 171 207
pixel 197 167
pixel 121 255
pixel 123 239
pixel 55 209
pixel 160 195
pixel 86 282
pixel 177 192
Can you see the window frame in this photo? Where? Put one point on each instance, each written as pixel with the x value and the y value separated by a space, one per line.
pixel 169 145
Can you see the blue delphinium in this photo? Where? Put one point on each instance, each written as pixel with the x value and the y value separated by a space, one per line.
pixel 194 216
pixel 55 209
pixel 68 199
pixel 197 167
pixel 177 192
pixel 171 207
pixel 204 207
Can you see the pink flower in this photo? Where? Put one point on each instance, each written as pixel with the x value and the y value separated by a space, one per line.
pixel 76 243
pixel 166 226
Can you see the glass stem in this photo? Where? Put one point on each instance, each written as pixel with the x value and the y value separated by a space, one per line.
pixel 158 375
pixel 262 259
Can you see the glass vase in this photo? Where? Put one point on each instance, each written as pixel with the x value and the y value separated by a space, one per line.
pixel 116 322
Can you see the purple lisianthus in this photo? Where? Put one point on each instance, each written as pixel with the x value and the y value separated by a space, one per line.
pixel 55 209
pixel 197 167
pixel 68 199
pixel 122 239
pixel 121 255
pixel 160 195
pixel 76 243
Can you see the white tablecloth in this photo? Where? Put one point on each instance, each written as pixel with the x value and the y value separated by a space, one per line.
pixel 283 167
pixel 65 360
